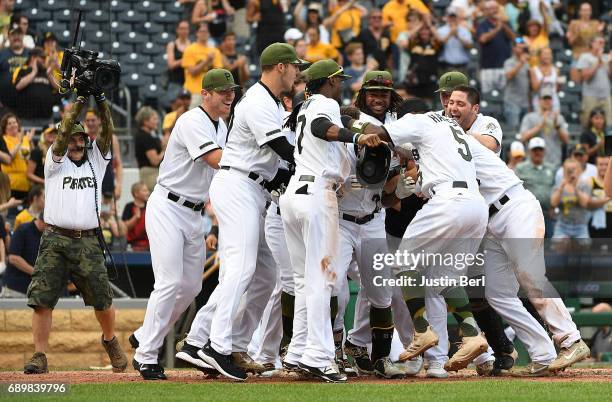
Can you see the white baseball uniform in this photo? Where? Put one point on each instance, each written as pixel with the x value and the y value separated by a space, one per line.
pixel 487 125
pixel 176 232
pixel 239 200
pixel 309 210
pixel 515 255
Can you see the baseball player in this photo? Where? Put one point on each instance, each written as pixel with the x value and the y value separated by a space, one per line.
pixel 250 160
pixel 447 174
pixel 511 238
pixel 309 210
pixel 174 222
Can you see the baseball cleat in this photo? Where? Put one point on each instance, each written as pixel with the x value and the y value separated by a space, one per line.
pixel 568 356
pixel 243 361
pixel 532 370
pixel 504 362
pixel 133 341
pixel 116 355
pixel 289 366
pixel 413 366
pixel 149 371
pixel 384 368
pixel 327 374
pixel 436 370
pixel 37 364
pixel 189 354
pixel 361 359
pixel 420 343
pixel 485 369
pixel 222 363
pixel 470 348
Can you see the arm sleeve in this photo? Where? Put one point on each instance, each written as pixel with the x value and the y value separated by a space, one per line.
pixel 19 74
pixel 3 146
pixel 17 242
pixel 409 128
pixel 583 62
pixel 493 129
pixel 480 30
pixel 265 122
pixel 196 137
pixel 283 148
pixel 127 211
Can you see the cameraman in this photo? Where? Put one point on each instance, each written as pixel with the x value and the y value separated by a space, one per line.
pixel 69 245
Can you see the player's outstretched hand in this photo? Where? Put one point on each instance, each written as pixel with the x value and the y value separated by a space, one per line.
pixel 371 140
pixel 211 242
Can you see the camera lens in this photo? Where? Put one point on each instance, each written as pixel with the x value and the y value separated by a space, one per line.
pixel 106 79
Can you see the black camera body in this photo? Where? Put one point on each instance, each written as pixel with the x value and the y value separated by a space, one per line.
pixel 88 71
pixel 608 143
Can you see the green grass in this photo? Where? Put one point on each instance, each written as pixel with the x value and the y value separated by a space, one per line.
pixel 493 390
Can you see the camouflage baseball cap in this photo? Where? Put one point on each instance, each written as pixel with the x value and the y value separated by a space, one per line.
pixel 281 53
pixel 377 80
pixel 218 79
pixel 325 69
pixel 451 80
pixel 77 129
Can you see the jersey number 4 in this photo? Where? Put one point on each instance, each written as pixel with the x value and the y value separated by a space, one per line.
pixel 301 123
pixel 465 153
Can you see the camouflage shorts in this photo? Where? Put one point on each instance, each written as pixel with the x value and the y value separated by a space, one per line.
pixel 61 258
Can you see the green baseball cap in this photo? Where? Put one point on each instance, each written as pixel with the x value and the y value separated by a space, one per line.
pixel 451 80
pixel 281 53
pixel 377 80
pixel 77 129
pixel 325 69
pixel 218 79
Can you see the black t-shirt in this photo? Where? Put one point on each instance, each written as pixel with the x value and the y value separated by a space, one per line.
pixel 396 222
pixel 24 243
pixel 232 58
pixel 590 138
pixel 37 99
pixel 143 142
pixel 36 157
pixel 377 49
pixel 128 211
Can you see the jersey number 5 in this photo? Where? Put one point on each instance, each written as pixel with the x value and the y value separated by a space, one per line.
pixel 465 154
pixel 301 122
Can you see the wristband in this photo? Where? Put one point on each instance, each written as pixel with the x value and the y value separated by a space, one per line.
pixel 214 230
pixel 356 138
pixel 359 126
pixel 346 135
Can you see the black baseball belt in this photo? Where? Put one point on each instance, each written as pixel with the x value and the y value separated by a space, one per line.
pixel 187 204
pixel 360 220
pixel 72 233
pixel 502 201
pixel 251 175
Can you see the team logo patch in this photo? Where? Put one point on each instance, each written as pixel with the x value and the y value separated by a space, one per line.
pixel 491 126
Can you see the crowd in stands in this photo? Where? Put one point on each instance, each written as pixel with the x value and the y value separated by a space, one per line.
pixel 542 67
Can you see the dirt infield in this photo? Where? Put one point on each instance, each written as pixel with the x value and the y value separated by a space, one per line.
pixel 189 376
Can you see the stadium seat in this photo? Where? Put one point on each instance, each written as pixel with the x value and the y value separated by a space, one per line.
pixel 99 38
pixel 131 58
pixel 149 28
pixel 165 18
pixel 52 5
pixel 132 17
pixel 119 6
pixel 151 49
pixel 136 80
pixel 36 14
pixel 572 87
pixel 118 28
pixel 173 7
pixel 162 38
pixel 22 5
pixel 151 91
pixel 63 35
pixel 64 16
pixel 153 69
pixel 160 60
pixel 134 38
pixel 98 16
pixel 147 6
pixel 120 48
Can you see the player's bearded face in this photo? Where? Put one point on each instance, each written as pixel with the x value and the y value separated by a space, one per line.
pixel 461 110
pixel 378 101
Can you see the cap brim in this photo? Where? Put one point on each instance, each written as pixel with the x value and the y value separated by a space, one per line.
pixel 377 87
pixel 344 76
pixel 224 88
pixel 302 64
pixel 443 90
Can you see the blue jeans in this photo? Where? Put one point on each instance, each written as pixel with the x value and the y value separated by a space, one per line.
pixel 572 231
pixel 513 114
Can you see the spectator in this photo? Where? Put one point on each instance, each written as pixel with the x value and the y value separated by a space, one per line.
pixel 317 50
pixel 35 206
pixel 456 40
pixel 237 64
pixel 214 13
pixel 22 254
pixel 536 40
pixel 467 12
pixel 495 37
pixel 238 20
pixel 601 342
pixel 588 170
pixel 357 68
pixel 344 21
pixel 594 67
pixel 422 77
pixel 548 124
pixel 113 178
pixel 38 155
pixel 300 48
pixel 571 199
pixel 607 180
pixel 593 138
pixel 538 177
pixel 179 106
pixel 198 58
pixel 544 10
pixel 292 35
pixel 11 58
pixel 134 217
pixel 580 33
pixel 23 24
pixel 512 13
pixel 270 18
pixel 174 57
pixel 6 10
pixel 111 229
pixel 601 221
pixel 149 148
pixel 53 56
pixel 516 93
pixel 36 90
pixel 544 77
pixel 517 154
pixel 314 18
pixel 415 22
pixel 395 15
pixel 14 151
pixel 376 40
